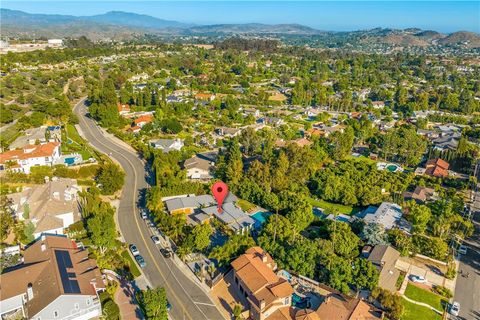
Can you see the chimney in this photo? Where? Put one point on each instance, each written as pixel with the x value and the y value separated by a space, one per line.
pixel 264 257
pixel 30 291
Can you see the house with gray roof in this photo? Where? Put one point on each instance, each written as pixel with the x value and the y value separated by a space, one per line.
pixel 384 258
pixel 233 217
pixel 200 166
pixel 167 145
pixel 388 214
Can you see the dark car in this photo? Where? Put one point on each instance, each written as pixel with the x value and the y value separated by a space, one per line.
pixel 166 253
pixel 141 262
pixel 169 306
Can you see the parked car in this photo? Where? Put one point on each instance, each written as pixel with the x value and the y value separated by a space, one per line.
pixel 156 239
pixel 169 306
pixel 462 249
pixel 455 308
pixel 134 250
pixel 140 261
pixel 144 214
pixel 166 253
pixel 418 279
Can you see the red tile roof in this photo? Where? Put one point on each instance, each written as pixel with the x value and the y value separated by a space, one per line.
pixel 30 151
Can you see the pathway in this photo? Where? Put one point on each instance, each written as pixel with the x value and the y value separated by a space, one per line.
pixel 422 304
pixel 125 298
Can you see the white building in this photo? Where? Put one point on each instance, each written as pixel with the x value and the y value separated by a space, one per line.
pixel 56 281
pixel 55 42
pixel 30 156
pixel 167 145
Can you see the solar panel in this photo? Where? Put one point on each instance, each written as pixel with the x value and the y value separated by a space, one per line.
pixel 69 281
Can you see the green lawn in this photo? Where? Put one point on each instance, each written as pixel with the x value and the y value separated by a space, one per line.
pixel 245 205
pixel 422 295
pixel 132 264
pixel 415 312
pixel 340 208
pixel 73 134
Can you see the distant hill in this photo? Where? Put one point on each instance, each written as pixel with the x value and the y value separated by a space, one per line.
pixel 118 25
pixel 254 28
pixel 134 20
pixel 469 39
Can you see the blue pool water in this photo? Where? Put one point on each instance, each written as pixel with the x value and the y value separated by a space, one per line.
pixel 260 217
pixel 299 302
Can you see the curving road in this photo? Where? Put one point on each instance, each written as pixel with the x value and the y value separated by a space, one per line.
pixel 188 300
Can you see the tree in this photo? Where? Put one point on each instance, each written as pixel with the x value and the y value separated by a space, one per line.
pixel 5 218
pixel 235 246
pixel 237 312
pixel 345 242
pixel 101 227
pixel 343 143
pixel 418 215
pixel 390 301
pixel 374 233
pixel 154 303
pixel 111 178
pixel 365 275
pixel 401 241
pixel 201 236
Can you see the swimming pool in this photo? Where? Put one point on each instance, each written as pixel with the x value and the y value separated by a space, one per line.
pixel 392 168
pixel 299 302
pixel 260 217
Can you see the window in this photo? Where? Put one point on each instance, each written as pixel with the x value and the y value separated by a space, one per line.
pixel 77 306
pixel 287 300
pixel 55 314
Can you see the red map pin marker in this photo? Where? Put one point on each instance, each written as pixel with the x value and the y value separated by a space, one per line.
pixel 220 191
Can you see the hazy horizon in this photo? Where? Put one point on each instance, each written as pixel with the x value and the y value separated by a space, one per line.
pixel 442 16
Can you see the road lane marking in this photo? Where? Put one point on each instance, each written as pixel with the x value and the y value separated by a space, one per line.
pixel 171 272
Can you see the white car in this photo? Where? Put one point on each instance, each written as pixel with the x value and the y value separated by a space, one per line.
pixel 156 239
pixel 144 215
pixel 462 249
pixel 455 308
pixel 134 250
pixel 418 279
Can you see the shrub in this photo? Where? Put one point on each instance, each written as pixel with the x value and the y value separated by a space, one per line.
pixel 444 292
pixel 111 310
pixel 391 302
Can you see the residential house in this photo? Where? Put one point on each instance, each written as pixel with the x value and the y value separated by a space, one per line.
pixel 143 120
pixel 50 207
pixel 437 168
pixel 447 141
pixel 30 137
pixel 57 280
pixel 338 307
pixel 420 194
pixel 123 109
pixel 302 142
pixel 232 216
pixel 134 129
pixel 272 121
pixel 384 258
pixel 204 96
pixel 200 166
pixel 268 295
pixel 29 156
pixel 187 204
pixel 378 104
pixel 228 132
pixel 388 214
pixel 167 145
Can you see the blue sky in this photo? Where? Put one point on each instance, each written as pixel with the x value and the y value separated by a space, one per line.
pixel 443 16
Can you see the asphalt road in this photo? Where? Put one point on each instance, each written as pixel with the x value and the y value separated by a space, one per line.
pixel 188 300
pixel 467 289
